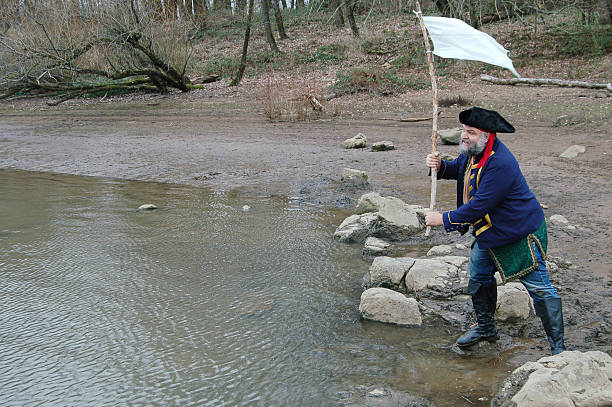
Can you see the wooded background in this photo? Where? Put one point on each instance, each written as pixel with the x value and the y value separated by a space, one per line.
pixel 69 48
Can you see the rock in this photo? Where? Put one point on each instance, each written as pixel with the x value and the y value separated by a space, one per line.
pixel 383 146
pixel 256 305
pixel 354 178
pixel 573 151
pixel 513 303
pixel 359 141
pixel 245 208
pixel 569 120
pixel 433 274
pixel 450 136
pixel 356 228
pixel 397 221
pixel 147 207
pixel 377 247
pixel 389 272
pixel 457 261
pixel 385 397
pixel 461 246
pixel 370 202
pixel 571 378
pixel 447 157
pixel 441 250
pixel 551 267
pixel 559 220
pixel 384 305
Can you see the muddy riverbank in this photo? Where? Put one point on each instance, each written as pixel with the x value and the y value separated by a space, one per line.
pixel 218 138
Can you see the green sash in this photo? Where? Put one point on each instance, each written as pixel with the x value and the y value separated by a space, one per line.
pixel 517 259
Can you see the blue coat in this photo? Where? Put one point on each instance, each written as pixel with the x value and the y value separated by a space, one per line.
pixel 501 207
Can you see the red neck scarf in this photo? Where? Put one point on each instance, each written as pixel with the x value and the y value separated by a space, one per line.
pixel 487 150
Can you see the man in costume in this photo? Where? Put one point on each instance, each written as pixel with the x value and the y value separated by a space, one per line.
pixel 508 223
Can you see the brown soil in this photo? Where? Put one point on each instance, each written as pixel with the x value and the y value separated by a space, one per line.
pixel 218 138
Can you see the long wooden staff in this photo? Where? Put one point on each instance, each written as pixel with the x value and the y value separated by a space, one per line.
pixel 434 117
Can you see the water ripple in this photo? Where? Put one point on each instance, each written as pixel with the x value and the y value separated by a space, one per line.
pixel 195 304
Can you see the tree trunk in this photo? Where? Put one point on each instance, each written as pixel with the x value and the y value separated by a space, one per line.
pixel 279 20
pixel 182 10
pixel 200 10
pixel 299 4
pixel 443 7
pixel 604 9
pixel 348 10
pixel 335 8
pixel 157 7
pixel 240 6
pixel 170 9
pixel 284 3
pixel 245 46
pixel 222 4
pixel 265 11
pixel 546 81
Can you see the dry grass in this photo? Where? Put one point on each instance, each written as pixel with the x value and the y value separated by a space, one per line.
pixel 292 99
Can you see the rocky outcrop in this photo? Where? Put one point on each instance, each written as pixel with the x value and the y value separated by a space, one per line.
pixel 443 278
pixel 384 305
pixel 570 378
pixel 359 141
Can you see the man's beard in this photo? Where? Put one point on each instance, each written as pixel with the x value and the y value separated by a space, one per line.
pixel 473 149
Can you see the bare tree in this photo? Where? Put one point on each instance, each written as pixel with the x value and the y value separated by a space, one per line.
pixel 279 20
pixel 348 10
pixel 57 51
pixel 222 4
pixel 335 8
pixel 240 6
pixel 245 47
pixel 265 11
pixel 200 11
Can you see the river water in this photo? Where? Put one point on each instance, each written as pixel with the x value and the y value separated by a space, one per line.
pixel 198 303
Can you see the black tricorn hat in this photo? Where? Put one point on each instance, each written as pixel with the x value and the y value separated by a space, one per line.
pixel 484 119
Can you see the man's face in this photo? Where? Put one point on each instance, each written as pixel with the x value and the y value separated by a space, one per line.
pixel 473 141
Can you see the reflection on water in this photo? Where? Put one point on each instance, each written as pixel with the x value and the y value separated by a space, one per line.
pixel 197 303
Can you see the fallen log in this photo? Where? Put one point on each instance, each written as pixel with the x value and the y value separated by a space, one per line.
pixel 416 119
pixel 546 81
pixel 316 105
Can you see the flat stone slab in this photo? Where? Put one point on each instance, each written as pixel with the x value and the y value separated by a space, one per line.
pixel 388 306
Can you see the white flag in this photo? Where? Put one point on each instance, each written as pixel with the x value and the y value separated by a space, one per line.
pixel 453 38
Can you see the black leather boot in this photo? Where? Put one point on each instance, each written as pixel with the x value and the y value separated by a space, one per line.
pixel 484 300
pixel 551 313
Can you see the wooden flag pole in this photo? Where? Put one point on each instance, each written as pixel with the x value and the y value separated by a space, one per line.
pixel 434 117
